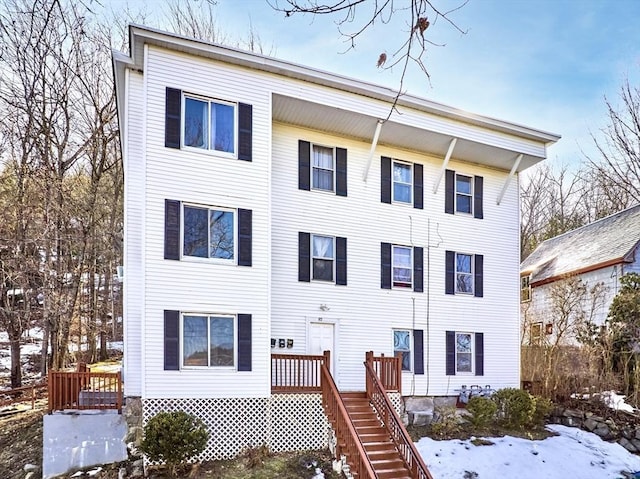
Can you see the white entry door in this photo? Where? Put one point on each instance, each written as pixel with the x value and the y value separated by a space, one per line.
pixel 321 339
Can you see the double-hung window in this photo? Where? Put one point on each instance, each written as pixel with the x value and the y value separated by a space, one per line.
pixel 322 257
pixel 208 340
pixel 464 273
pixel 402 266
pixel 209 233
pixel 323 173
pixel 402 344
pixel 402 182
pixel 209 124
pixel 535 338
pixel 464 194
pixel 464 353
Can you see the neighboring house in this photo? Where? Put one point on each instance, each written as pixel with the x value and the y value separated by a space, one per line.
pixel 573 277
pixel 270 209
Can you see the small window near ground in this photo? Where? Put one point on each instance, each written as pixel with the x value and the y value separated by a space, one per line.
pixel 208 233
pixel 323 257
pixel 464 353
pixel 464 195
pixel 323 172
pixel 525 288
pixel 208 341
pixel 464 273
pixel 402 267
pixel 402 182
pixel 210 125
pixel 402 344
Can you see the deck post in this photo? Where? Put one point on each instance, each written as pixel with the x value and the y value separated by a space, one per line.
pixel 399 371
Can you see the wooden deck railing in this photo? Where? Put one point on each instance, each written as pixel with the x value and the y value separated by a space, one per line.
pixel 388 369
pixel 297 372
pixel 388 415
pixel 84 390
pixel 348 442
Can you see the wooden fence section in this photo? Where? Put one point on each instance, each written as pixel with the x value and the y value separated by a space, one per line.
pixel 20 394
pixel 388 369
pixel 84 390
pixel 297 372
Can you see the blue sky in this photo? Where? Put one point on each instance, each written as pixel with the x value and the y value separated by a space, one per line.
pixel 546 64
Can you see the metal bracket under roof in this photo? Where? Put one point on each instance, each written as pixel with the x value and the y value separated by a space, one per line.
pixel 374 144
pixel 447 157
pixel 514 168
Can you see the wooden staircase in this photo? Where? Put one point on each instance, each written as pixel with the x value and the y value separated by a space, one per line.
pixel 382 452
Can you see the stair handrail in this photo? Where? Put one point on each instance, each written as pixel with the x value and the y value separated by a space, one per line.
pixel 377 394
pixel 337 413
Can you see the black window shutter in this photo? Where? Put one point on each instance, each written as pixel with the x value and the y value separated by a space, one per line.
pixel 341 260
pixel 171 229
pixel 418 351
pixel 244 342
pixel 418 270
pixel 385 175
pixel 341 172
pixel 385 265
pixel 478 289
pixel 477 197
pixel 479 354
pixel 449 191
pixel 245 229
pixel 304 257
pixel 418 194
pixel 171 340
pixel 451 353
pixel 173 107
pixel 450 272
pixel 304 165
pixel 245 132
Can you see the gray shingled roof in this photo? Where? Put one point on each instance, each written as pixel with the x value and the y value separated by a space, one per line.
pixel 604 241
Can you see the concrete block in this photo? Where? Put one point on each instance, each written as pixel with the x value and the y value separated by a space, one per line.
pixel 418 403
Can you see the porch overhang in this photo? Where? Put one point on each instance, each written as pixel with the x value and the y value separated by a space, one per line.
pixel 434 142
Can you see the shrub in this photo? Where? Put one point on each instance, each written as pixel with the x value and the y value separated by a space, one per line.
pixel 174 438
pixel 482 410
pixel 515 407
pixel 446 423
pixel 543 407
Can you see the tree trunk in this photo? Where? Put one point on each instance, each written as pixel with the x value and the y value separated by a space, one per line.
pixel 16 367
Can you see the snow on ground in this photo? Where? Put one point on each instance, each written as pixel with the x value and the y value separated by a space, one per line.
pixel 616 401
pixel 573 453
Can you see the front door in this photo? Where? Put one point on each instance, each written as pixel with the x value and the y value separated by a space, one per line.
pixel 321 339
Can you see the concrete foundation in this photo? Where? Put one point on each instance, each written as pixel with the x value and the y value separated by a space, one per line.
pixel 76 440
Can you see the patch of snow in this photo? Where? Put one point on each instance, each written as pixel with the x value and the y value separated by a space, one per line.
pixel 616 401
pixel 117 345
pixel 573 453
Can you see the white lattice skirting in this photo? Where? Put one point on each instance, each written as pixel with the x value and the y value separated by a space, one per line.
pixel 284 422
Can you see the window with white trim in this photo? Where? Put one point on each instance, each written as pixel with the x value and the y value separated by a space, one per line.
pixel 525 288
pixel 464 194
pixel 209 124
pixel 208 340
pixel 402 182
pixel 402 271
pixel 322 257
pixel 208 232
pixel 323 168
pixel 464 353
pixel 464 273
pixel 402 344
pixel 535 338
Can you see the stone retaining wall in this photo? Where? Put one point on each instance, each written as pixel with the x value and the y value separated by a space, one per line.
pixel 608 429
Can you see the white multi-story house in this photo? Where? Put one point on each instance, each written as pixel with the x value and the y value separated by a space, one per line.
pixel 273 209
